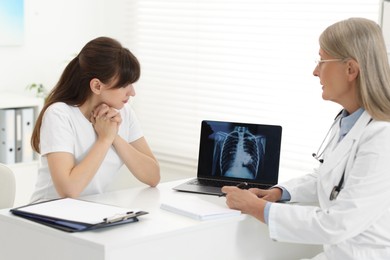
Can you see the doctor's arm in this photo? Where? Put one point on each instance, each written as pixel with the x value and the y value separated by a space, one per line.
pixel 257 208
pixel 246 201
pixel 361 204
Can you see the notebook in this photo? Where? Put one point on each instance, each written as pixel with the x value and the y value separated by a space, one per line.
pixel 234 153
pixel 197 208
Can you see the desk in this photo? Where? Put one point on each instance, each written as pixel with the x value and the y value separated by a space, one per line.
pixel 158 235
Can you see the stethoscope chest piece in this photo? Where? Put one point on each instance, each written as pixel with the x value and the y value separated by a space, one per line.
pixel 336 189
pixel 334 193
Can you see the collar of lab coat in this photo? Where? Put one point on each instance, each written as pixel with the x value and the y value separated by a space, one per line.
pixel 338 152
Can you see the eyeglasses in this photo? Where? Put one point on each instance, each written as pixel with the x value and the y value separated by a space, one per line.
pixel 319 62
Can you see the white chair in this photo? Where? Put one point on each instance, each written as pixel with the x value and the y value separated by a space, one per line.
pixel 7 187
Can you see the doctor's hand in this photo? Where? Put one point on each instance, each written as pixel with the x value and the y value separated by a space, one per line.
pixel 272 195
pixel 245 200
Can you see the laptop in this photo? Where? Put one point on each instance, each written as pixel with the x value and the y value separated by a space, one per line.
pixel 235 154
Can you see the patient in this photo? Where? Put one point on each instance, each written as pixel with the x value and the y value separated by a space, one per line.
pixel 86 130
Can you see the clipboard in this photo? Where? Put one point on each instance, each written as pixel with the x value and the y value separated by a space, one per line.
pixel 73 215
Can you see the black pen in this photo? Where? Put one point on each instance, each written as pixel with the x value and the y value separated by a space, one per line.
pixel 242 185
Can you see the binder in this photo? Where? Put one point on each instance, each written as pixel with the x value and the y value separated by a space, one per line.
pixel 18 135
pixel 73 215
pixel 7 136
pixel 24 123
pixel 27 129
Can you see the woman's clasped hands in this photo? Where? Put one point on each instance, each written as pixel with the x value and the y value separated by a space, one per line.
pixel 106 121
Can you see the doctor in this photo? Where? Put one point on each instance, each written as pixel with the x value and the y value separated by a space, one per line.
pixel 352 183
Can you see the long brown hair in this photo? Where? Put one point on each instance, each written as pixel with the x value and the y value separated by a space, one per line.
pixel 102 58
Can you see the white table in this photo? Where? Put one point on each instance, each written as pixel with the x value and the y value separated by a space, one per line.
pixel 158 235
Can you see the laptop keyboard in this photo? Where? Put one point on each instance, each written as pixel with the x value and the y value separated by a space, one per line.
pixel 210 183
pixel 220 183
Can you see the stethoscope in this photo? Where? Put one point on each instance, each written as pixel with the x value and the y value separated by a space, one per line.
pixel 336 189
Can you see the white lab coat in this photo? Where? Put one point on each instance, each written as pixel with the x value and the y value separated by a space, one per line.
pixel 356 225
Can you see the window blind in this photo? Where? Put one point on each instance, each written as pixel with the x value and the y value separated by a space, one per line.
pixel 235 60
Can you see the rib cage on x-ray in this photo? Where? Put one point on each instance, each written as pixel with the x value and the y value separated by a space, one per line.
pixel 238 153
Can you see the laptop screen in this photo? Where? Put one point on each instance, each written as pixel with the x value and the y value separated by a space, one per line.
pixel 239 152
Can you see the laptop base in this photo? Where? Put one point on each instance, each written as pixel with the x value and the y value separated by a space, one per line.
pixel 197 185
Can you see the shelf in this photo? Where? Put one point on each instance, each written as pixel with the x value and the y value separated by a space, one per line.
pixel 11 100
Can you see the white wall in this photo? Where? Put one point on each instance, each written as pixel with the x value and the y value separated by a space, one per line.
pixel 385 22
pixel 54 32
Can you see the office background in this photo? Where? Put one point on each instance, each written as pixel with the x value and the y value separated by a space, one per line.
pixel 234 60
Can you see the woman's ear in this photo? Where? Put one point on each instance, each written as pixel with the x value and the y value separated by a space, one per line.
pixel 353 69
pixel 95 86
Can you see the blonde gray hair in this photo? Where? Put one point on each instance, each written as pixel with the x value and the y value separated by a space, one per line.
pixel 362 40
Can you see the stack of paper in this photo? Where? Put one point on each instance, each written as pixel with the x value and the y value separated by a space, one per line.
pixel 196 208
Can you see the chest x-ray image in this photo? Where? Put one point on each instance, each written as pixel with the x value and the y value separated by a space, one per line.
pixel 238 154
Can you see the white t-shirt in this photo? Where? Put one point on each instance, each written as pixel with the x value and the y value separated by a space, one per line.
pixel 65 129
